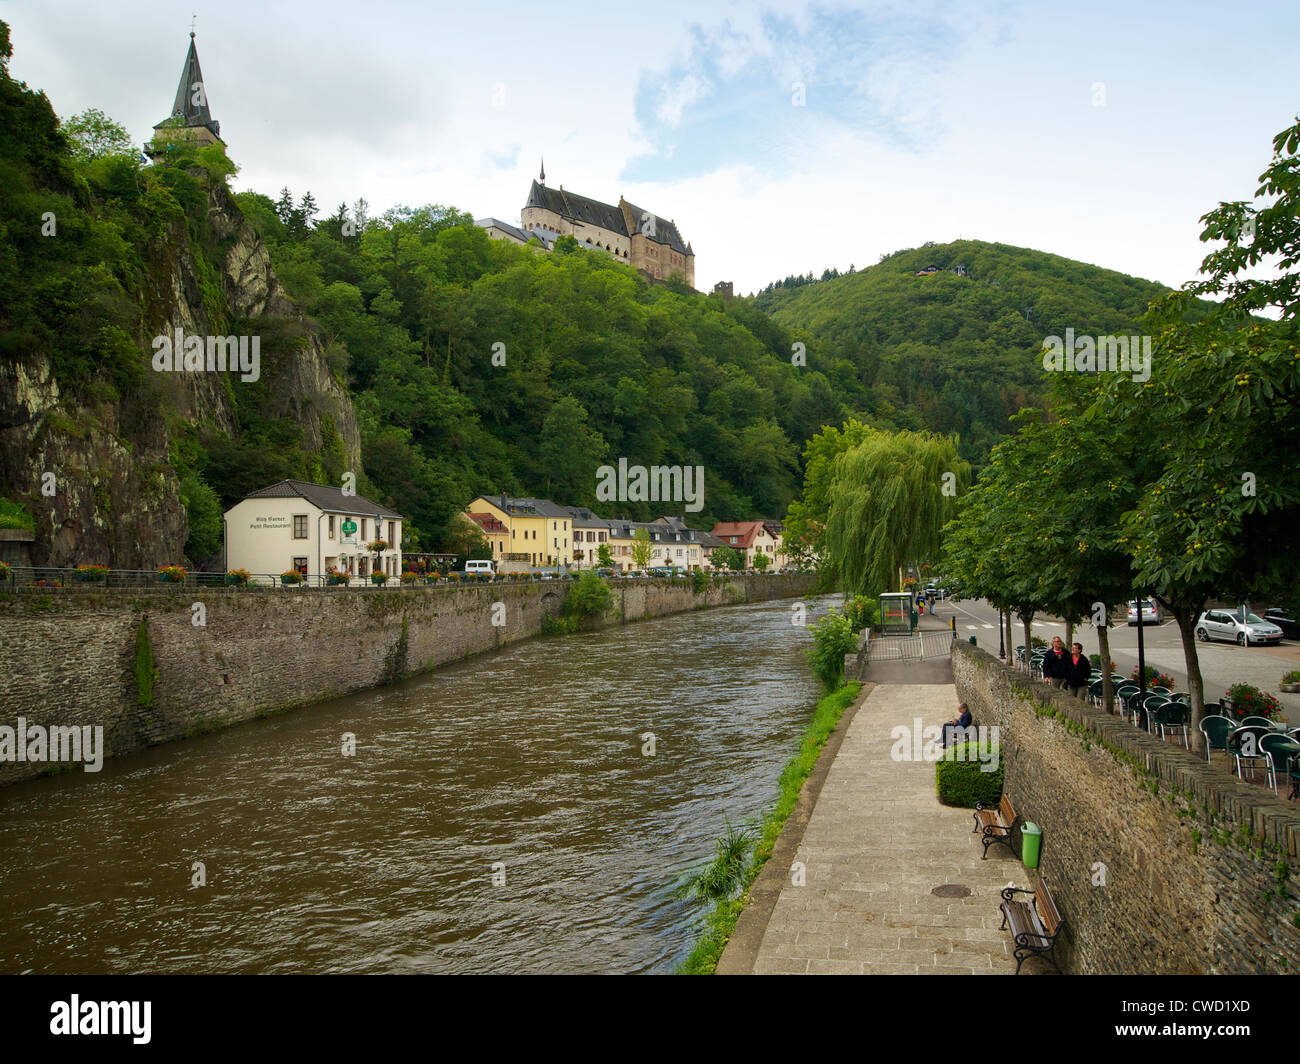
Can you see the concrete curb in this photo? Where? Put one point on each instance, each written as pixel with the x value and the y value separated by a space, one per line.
pixel 747 936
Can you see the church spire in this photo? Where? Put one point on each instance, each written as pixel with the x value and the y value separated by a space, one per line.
pixel 190 108
pixel 542 176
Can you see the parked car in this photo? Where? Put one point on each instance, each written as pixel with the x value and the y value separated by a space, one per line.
pixel 1150 612
pixel 1223 625
pixel 1284 620
pixel 479 565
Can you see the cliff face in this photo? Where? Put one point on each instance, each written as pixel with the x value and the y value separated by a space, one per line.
pixel 113 496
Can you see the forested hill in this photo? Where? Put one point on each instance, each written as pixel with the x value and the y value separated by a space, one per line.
pixel 948 352
pixel 478 365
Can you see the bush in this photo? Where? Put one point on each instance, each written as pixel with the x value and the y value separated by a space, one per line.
pixel 1292 677
pixel 863 612
pixel 959 779
pixel 1096 660
pixel 1248 701
pixel 589 597
pixel 1155 678
pixel 699 581
pixel 833 637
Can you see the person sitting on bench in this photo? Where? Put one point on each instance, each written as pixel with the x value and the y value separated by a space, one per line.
pixel 961 721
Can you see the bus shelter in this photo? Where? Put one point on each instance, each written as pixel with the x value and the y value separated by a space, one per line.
pixel 896 613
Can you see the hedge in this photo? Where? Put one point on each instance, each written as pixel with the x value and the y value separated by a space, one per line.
pixel 959 778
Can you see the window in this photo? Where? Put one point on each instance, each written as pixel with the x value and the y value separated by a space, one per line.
pixel 364 536
pixel 331 526
pixel 300 564
pixel 392 534
pixel 299 526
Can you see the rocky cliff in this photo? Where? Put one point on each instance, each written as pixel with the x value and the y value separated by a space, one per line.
pixel 94 465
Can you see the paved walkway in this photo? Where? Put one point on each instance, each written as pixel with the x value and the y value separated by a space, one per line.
pixel 877 844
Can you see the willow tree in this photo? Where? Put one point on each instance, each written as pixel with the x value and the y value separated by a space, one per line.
pixel 890 497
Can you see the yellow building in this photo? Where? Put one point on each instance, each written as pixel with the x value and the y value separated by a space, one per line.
pixel 538 531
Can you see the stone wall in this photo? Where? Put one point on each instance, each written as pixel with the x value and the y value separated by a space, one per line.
pixel 70 658
pixel 1159 862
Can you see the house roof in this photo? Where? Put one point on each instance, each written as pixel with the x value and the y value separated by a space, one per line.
pixel 193 114
pixel 324 497
pixel 488 522
pixel 745 531
pixel 526 507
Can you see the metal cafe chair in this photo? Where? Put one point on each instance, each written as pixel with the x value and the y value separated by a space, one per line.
pixel 1125 693
pixel 1281 751
pixel 1173 716
pixel 1151 706
pixel 1096 691
pixel 1257 722
pixel 1217 731
pixel 1244 745
pixel 1161 691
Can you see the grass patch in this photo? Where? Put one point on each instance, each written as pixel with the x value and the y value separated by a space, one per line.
pixel 721 920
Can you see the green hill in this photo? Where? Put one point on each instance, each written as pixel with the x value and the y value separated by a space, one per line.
pixel 947 352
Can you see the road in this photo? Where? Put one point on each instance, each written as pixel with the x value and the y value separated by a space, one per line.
pixel 1222 664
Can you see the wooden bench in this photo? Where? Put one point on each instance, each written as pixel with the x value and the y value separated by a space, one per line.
pixel 1035 924
pixel 998 823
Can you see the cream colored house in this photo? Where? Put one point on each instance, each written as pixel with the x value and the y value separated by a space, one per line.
pixel 312 528
pixel 751 538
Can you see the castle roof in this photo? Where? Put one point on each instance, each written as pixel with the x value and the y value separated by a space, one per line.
pixel 587 211
pixel 191 86
pixel 575 208
pixel 665 231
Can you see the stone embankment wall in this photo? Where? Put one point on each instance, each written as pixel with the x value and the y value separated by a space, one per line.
pixel 73 657
pixel 1159 862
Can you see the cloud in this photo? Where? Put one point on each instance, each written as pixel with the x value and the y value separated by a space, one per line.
pixel 759 93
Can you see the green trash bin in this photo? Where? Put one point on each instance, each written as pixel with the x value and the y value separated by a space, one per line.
pixel 972 641
pixel 1031 840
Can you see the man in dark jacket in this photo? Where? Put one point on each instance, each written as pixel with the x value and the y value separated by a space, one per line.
pixel 1056 664
pixel 958 724
pixel 1079 671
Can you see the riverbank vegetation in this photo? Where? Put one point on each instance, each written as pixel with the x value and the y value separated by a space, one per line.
pixel 720 922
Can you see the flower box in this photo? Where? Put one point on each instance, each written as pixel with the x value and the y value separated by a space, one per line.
pixel 171 574
pixel 89 573
pixel 337 579
pixel 237 578
pixel 290 577
pixel 379 578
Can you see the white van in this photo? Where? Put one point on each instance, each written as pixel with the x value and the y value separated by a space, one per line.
pixel 479 565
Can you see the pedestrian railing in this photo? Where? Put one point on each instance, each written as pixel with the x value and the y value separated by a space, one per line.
pixel 910 647
pixel 44 579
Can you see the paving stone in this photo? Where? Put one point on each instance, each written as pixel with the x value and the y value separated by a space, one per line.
pixel 877 844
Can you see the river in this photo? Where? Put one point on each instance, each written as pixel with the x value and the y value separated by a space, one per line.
pixel 498 815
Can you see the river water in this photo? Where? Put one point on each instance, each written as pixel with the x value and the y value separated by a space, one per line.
pixel 524 765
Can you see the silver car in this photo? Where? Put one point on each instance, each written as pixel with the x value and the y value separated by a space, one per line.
pixel 1245 629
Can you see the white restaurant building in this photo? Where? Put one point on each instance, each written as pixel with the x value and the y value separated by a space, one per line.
pixel 312 528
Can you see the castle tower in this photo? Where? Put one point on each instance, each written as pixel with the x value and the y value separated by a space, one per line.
pixel 190 120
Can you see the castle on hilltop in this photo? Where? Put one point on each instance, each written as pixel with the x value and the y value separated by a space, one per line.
pixel 647 242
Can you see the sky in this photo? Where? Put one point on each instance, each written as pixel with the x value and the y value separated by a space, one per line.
pixel 781 138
